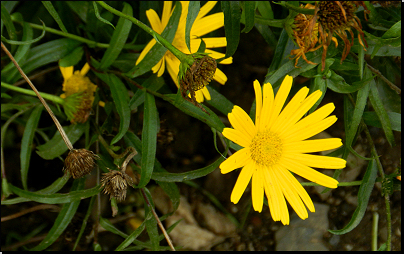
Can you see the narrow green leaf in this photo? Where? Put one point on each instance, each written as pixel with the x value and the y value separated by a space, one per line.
pixel 132 237
pixel 381 113
pixel 107 225
pixel 120 96
pixel 119 38
pixel 318 84
pixel 193 10
pixel 180 177
pixel 97 14
pixel 219 102
pixel 361 101
pixel 73 58
pixel 8 23
pixel 151 223
pixel 249 13
pixel 48 5
pixel 56 146
pixel 153 83
pixel 212 120
pixel 26 143
pixel 158 51
pixel 232 16
pixel 338 84
pixel 23 50
pixel 57 198
pixel 149 139
pixel 372 119
pixel 283 47
pixel 62 221
pixel 43 54
pixel 365 190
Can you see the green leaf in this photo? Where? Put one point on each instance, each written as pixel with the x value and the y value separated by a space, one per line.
pixel 97 14
pixel 153 83
pixel 73 58
pixel 48 5
pixel 23 50
pixel 26 143
pixel 318 84
pixel 338 84
pixel 107 225
pixel 158 51
pixel 283 47
pixel 118 40
pixel 365 190
pixel 232 16
pixel 149 139
pixel 44 54
pixel 248 14
pixel 120 96
pixel 56 146
pixel 132 237
pixel 219 102
pixel 57 198
pixel 62 221
pixel 180 177
pixel 193 11
pixel 212 120
pixel 151 223
pixel 381 113
pixel 172 191
pixel 372 119
pixel 8 23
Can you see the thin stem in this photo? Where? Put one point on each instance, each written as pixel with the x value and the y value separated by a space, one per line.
pixel 158 220
pixel 127 160
pixel 375 224
pixel 55 120
pixel 47 96
pixel 270 22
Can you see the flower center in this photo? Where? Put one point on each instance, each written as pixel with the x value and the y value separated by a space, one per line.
pixel 266 148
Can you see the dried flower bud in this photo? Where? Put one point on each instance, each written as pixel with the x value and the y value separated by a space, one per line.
pixel 80 162
pixel 200 73
pixel 116 183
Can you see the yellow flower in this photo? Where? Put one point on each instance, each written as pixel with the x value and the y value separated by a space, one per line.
pixel 275 146
pixel 79 93
pixel 202 25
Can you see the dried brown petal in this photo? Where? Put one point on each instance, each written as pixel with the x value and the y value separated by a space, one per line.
pixel 115 184
pixel 80 162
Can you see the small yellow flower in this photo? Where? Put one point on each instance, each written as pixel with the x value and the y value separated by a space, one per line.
pixel 276 145
pixel 202 25
pixel 79 93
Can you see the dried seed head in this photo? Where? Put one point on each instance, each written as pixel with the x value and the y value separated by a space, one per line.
pixel 200 73
pixel 80 162
pixel 115 184
pixel 336 15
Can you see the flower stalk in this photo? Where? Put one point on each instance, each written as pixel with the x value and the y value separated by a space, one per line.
pixel 55 120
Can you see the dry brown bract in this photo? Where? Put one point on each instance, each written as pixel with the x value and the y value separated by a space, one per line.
pixel 80 162
pixel 115 184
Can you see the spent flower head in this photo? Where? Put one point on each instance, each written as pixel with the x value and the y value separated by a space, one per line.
pixel 276 146
pixel 80 162
pixel 79 93
pixel 202 25
pixel 115 184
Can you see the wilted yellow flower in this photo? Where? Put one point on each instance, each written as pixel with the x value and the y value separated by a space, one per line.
pixel 276 145
pixel 79 93
pixel 202 25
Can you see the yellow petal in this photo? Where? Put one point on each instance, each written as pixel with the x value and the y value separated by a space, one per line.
pixel 311 129
pixel 173 67
pixel 237 160
pixel 278 197
pixel 267 106
pixel 199 96
pixel 281 96
pixel 310 146
pixel 215 42
pixel 145 51
pixel 258 102
pixel 242 182
pixel 85 69
pixel 242 122
pixel 206 8
pixel 237 137
pixel 207 24
pixel 206 93
pixel 220 77
pixel 165 17
pixel 154 21
pixel 318 161
pixel 67 72
pixel 257 190
pixel 308 173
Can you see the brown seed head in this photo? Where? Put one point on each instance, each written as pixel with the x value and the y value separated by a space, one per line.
pixel 200 73
pixel 115 184
pixel 336 14
pixel 80 162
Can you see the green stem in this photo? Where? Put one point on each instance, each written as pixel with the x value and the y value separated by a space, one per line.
pixel 270 22
pixel 180 55
pixel 47 96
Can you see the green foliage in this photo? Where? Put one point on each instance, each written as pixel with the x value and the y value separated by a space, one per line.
pixel 130 95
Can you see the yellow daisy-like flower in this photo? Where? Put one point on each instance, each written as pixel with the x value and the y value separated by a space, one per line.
pixel 202 25
pixel 79 87
pixel 276 145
